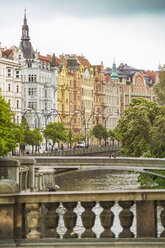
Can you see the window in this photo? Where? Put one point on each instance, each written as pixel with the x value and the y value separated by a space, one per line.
pixel 17 88
pixel 32 78
pixel 17 119
pixel 32 105
pixel 62 107
pixel 17 74
pixel 9 72
pixel 9 87
pixel 17 103
pixel 32 91
pixel 45 105
pixel 45 93
pixel 74 84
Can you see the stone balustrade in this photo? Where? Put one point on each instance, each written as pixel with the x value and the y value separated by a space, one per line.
pixel 36 217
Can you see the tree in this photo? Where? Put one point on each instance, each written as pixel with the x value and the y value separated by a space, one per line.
pixel 35 138
pixel 159 89
pixel 55 132
pixel 112 135
pixel 7 137
pixel 137 127
pixel 100 132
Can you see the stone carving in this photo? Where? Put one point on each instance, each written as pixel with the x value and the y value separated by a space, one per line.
pixel 70 219
pixel 162 217
pixel 126 219
pixel 107 217
pixel 51 220
pixel 88 219
pixel 33 221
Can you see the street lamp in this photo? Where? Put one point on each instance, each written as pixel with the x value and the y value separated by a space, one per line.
pixel 77 112
pixel 29 110
pixel 93 114
pixel 46 119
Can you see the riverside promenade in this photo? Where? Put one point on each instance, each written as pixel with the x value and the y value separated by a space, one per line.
pixel 32 219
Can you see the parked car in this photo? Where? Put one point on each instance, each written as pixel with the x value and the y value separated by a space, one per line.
pixel 81 144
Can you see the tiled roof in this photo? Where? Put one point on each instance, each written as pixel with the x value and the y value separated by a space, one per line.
pixel 83 61
pixel 45 58
pixel 151 74
pixel 7 53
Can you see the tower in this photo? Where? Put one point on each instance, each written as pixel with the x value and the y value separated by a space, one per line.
pixel 25 45
pixel 114 74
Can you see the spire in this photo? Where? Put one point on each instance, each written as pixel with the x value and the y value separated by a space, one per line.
pixel 25 45
pixel 114 74
pixel 25 28
pixel 53 64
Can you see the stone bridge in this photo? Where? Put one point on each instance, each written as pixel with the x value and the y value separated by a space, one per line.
pixel 35 219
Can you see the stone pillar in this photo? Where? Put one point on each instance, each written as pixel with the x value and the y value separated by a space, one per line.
pixel 33 221
pixel 70 219
pixel 88 219
pixel 162 217
pixel 7 211
pixel 51 220
pixel 107 217
pixel 146 219
pixel 126 219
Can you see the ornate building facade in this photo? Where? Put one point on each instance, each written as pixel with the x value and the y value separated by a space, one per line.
pixel 10 80
pixel 39 83
pixel 133 83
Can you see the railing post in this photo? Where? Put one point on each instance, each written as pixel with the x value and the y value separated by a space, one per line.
pixel 33 221
pixel 126 219
pixel 162 217
pixel 88 219
pixel 107 217
pixel 70 219
pixel 146 219
pixel 51 220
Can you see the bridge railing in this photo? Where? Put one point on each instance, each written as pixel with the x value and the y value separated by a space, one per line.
pixel 82 215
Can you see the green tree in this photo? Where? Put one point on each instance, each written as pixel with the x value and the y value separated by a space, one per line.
pixel 100 132
pixel 7 137
pixel 159 89
pixel 35 138
pixel 112 135
pixel 136 129
pixel 55 132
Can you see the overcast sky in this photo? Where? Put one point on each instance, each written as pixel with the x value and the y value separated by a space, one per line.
pixel 131 31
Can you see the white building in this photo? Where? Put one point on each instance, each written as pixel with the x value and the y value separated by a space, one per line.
pixel 39 83
pixel 10 80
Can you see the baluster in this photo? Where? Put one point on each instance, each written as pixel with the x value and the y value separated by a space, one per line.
pixel 70 219
pixel 88 219
pixel 107 217
pixel 52 220
pixel 33 221
pixel 126 219
pixel 162 218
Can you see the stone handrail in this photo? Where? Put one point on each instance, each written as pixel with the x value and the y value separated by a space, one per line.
pixel 35 215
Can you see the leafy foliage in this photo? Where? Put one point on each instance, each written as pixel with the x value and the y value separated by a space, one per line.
pixel 55 132
pixel 100 132
pixel 7 136
pixel 159 89
pixel 138 129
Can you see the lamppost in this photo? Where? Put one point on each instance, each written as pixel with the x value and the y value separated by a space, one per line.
pixel 77 112
pixel 29 110
pixel 93 114
pixel 46 119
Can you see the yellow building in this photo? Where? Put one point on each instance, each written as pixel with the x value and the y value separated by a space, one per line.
pixel 63 95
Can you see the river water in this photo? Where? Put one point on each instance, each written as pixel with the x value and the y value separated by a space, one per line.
pixel 96 180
